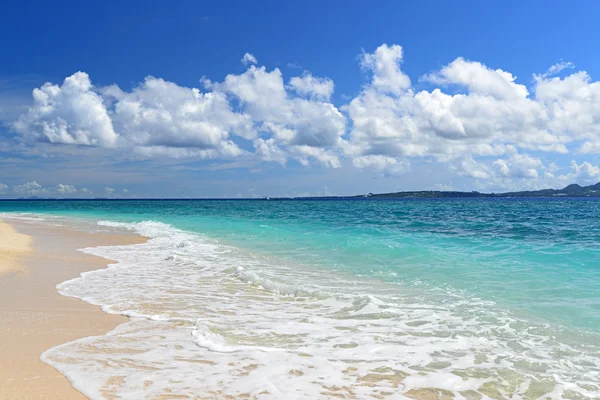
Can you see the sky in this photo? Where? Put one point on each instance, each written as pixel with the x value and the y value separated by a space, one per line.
pixel 270 98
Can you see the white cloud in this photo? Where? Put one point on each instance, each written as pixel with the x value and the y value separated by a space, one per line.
pixel 299 127
pixel 479 79
pixel 324 157
pixel 267 150
pixel 477 121
pixel 313 87
pixel 33 188
pixel 249 59
pixel 384 63
pixel 586 169
pixel 160 118
pixel 387 165
pixel 492 116
pixel 573 106
pixel 467 166
pixel 29 189
pixel 584 173
pixel 65 189
pixel 558 67
pixel 69 114
pixel 159 115
pixel 519 166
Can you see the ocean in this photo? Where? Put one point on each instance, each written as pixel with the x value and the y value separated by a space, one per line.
pixel 305 299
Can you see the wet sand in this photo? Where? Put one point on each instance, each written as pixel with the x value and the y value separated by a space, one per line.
pixel 34 258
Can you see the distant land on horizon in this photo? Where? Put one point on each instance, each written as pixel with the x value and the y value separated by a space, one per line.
pixel 573 190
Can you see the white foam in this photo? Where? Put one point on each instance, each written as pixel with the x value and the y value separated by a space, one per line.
pixel 24 216
pixel 211 320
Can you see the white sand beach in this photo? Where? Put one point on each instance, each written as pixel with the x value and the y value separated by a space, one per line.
pixel 34 258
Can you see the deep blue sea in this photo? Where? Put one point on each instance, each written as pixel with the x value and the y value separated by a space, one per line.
pixel 462 298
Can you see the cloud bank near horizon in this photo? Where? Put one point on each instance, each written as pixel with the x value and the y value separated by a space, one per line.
pixel 474 120
pixel 34 189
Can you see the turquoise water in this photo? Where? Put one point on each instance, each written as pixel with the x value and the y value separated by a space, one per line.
pixel 540 257
pixel 523 274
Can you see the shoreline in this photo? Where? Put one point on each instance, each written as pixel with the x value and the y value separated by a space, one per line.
pixel 34 317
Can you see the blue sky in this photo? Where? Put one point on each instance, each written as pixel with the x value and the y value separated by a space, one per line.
pixel 387 96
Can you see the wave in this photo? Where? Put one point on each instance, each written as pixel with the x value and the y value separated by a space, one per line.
pixel 24 216
pixel 222 321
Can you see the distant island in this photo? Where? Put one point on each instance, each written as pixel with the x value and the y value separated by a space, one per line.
pixel 573 190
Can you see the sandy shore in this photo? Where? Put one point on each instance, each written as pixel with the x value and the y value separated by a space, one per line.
pixel 34 258
pixel 13 247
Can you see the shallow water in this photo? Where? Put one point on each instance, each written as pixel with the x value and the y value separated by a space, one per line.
pixel 357 299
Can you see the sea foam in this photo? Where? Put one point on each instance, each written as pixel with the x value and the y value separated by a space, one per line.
pixel 209 320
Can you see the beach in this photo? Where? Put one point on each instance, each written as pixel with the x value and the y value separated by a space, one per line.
pixel 300 299
pixel 34 258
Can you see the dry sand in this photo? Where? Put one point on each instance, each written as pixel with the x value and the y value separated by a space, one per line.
pixel 34 258
pixel 13 246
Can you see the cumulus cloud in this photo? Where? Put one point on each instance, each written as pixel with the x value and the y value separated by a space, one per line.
pixel 313 87
pixel 159 115
pixel 161 118
pixel 65 189
pixel 478 121
pixel 33 188
pixel 573 107
pixel 584 173
pixel 72 113
pixel 249 59
pixel 387 165
pixel 489 114
pixel 467 166
pixel 518 166
pixel 384 64
pixel 267 150
pixel 299 127
pixel 30 189
pixel 479 79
